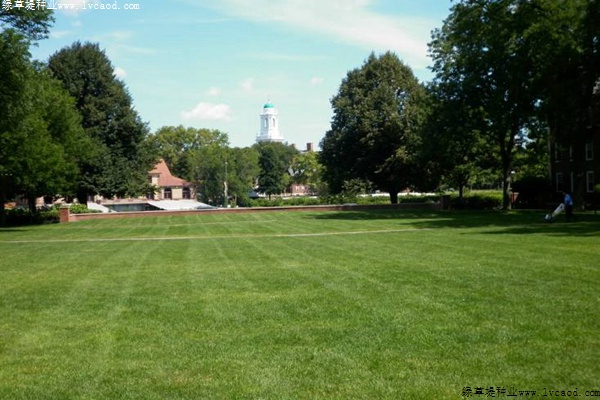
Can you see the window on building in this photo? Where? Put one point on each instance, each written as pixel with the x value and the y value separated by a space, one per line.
pixel 570 153
pixel 186 193
pixel 168 194
pixel 557 153
pixel 589 151
pixel 560 184
pixel 590 183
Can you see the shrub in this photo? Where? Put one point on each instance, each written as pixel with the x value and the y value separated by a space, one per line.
pixel 22 217
pixel 81 209
pixel 478 200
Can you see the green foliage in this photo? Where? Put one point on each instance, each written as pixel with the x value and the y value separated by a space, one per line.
pixel 41 140
pixel 517 69
pixel 23 217
pixel 307 170
pixel 482 58
pixel 34 25
pixel 477 200
pixel 374 132
pixel 82 209
pixel 274 160
pixel 243 172
pixel 121 156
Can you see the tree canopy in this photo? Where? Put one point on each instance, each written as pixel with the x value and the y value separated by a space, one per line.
pixel 32 24
pixel 374 132
pixel 274 160
pixel 122 155
pixel 41 140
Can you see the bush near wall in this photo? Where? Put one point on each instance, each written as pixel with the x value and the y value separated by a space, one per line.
pixel 22 217
pixel 477 200
pixel 81 209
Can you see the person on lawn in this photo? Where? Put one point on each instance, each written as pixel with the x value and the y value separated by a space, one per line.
pixel 568 202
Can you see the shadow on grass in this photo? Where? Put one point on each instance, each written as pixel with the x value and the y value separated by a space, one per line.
pixel 500 222
pixel 5 230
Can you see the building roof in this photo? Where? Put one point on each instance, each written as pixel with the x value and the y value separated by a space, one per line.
pixel 269 105
pixel 165 178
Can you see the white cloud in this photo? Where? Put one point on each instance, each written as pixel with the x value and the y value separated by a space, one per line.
pixel 247 85
pixel 214 91
pixel 120 35
pixel 208 111
pixel 314 81
pixel 288 57
pixel 60 34
pixel 120 73
pixel 138 50
pixel 350 21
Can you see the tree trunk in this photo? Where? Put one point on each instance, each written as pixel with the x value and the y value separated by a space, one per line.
pixel 2 210
pixel 31 202
pixel 507 145
pixel 506 203
pixel 394 195
pixel 82 196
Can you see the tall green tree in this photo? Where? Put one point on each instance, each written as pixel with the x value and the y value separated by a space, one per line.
pixel 307 170
pixel 482 56
pixel 207 163
pixel 274 160
pixel 243 172
pixel 14 77
pixel 374 134
pixel 41 139
pixel 122 154
pixel 520 63
pixel 177 145
pixel 453 149
pixel 56 145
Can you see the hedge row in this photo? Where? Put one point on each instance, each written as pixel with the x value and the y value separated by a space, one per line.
pixel 23 216
pixel 477 200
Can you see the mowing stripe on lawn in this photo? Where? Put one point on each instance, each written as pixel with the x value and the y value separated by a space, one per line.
pixel 134 239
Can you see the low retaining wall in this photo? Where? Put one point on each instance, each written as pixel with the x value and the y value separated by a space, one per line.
pixel 65 216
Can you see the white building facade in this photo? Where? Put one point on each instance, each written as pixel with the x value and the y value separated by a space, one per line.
pixel 269 125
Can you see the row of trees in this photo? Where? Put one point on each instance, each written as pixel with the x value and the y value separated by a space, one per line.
pixel 68 128
pixel 203 157
pixel 510 75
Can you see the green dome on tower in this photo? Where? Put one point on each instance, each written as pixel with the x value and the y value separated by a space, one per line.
pixel 269 105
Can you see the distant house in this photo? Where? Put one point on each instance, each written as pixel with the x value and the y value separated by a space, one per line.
pixel 167 186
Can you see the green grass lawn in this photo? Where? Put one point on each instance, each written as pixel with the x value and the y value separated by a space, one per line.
pixel 300 305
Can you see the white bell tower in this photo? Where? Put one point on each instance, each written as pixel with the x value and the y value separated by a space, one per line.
pixel 269 124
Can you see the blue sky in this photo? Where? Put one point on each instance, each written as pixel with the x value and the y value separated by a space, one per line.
pixel 213 64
